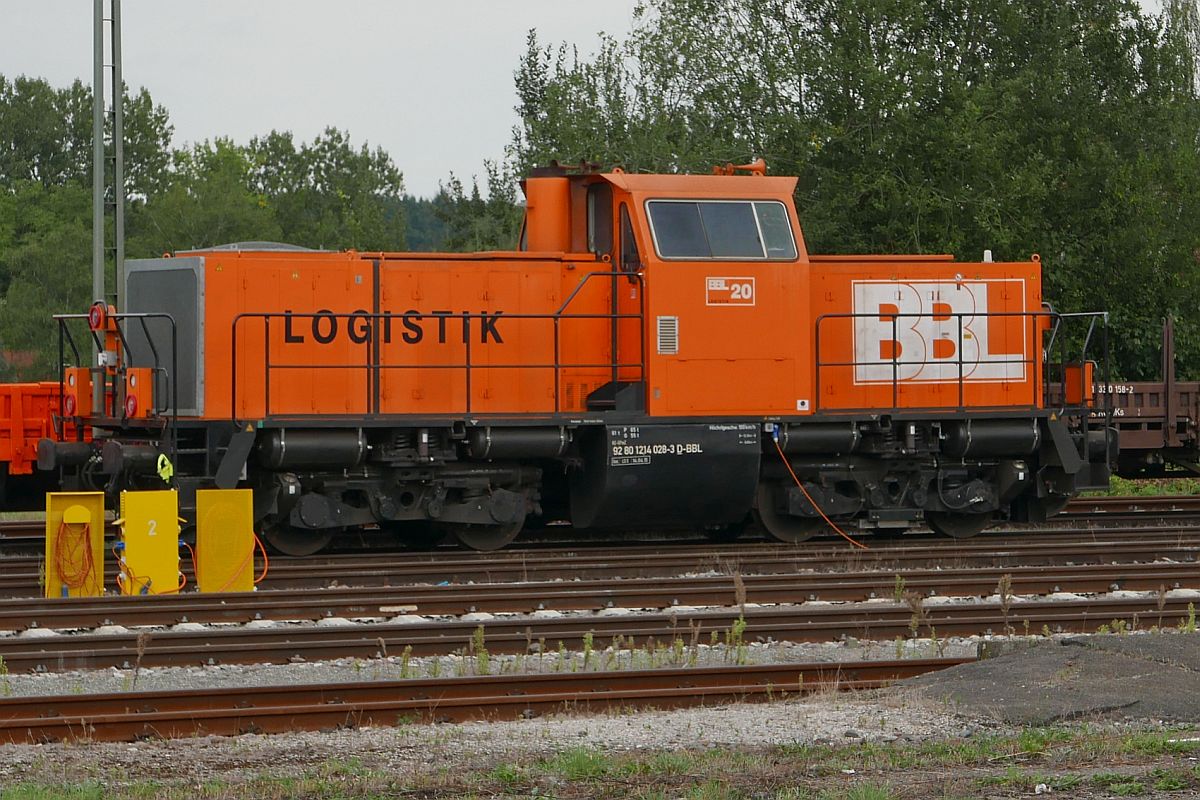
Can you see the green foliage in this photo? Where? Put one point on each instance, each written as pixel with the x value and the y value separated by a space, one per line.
pixel 327 193
pixel 1036 741
pixel 1169 780
pixel 33 791
pixel 1123 487
pixel 471 222
pixel 578 763
pixel 47 268
pixel 507 775
pixel 209 202
pixel 1068 130
pixel 425 230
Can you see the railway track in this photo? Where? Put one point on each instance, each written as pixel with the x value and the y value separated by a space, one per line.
pixel 586 595
pixel 21 576
pixel 291 643
pixel 28 535
pixel 130 716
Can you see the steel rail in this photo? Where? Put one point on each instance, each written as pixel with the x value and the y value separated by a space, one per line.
pixel 21 577
pixel 130 716
pixel 879 621
pixel 31 533
pixel 587 595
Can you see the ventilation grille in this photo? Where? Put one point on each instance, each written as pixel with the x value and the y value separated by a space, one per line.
pixel 668 336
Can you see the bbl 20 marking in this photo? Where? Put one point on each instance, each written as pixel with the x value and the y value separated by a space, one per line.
pixel 729 291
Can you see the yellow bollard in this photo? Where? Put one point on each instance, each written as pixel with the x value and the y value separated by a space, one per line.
pixel 225 540
pixel 74 544
pixel 148 552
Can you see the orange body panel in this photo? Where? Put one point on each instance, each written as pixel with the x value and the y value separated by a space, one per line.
pixel 336 355
pixel 393 333
pixel 927 334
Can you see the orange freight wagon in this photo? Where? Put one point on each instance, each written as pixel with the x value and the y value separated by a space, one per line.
pixel 27 412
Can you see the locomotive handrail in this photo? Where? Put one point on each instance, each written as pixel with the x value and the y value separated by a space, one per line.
pixel 1032 360
pixel 373 363
pixel 159 370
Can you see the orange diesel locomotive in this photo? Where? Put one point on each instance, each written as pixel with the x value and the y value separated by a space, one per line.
pixel 661 351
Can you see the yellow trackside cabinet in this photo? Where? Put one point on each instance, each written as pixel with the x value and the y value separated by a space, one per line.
pixel 148 553
pixel 74 544
pixel 225 540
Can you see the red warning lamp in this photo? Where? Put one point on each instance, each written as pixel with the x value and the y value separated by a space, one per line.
pixel 131 405
pixel 98 316
pixel 77 392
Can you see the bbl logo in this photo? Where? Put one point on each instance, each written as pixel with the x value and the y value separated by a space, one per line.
pixel 921 331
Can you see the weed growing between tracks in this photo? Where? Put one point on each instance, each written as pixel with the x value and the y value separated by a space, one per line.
pixel 1082 760
pixel 1150 487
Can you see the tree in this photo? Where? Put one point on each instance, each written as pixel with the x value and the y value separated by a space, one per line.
pixel 329 194
pixel 473 223
pixel 424 227
pixel 1068 130
pixel 208 203
pixel 46 136
pixel 48 268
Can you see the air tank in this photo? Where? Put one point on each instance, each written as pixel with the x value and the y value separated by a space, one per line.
pixel 990 438
pixel 290 448
pixel 491 442
pixel 819 437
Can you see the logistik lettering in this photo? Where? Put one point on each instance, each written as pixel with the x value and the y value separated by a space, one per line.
pixel 409 327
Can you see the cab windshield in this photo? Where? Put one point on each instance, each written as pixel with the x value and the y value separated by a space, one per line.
pixel 721 229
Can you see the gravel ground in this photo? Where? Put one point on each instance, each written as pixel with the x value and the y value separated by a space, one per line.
pixel 817 719
pixel 902 714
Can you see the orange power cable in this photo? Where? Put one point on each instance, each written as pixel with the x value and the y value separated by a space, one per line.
pixel 74 551
pixel 266 561
pixel 832 524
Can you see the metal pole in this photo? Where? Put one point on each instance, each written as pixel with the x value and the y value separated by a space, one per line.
pixel 98 151
pixel 97 181
pixel 118 92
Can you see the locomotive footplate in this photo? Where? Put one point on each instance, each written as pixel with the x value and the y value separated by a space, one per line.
pixel 665 474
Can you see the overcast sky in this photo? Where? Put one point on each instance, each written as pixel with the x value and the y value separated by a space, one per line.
pixel 431 81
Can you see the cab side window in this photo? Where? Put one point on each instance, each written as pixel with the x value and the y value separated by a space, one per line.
pixel 630 259
pixel 599 219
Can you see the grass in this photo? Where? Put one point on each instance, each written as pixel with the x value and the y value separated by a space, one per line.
pixel 1144 487
pixel 1067 759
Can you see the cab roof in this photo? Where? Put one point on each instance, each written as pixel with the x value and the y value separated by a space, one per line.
pixel 715 186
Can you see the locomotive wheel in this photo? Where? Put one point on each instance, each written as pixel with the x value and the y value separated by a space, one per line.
pixel 485 537
pixel 783 527
pixel 958 525
pixel 290 541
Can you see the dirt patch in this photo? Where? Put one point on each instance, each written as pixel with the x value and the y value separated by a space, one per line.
pixel 1146 677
